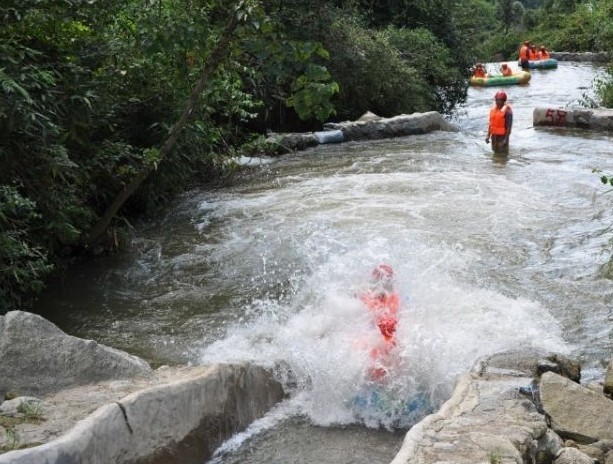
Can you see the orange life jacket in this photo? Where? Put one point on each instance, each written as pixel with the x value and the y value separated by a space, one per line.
pixel 498 124
pixel 385 309
pixel 533 54
pixel 544 55
pixel 507 71
pixel 479 72
pixel 524 53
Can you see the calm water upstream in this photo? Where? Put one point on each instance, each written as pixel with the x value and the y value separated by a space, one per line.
pixel 490 253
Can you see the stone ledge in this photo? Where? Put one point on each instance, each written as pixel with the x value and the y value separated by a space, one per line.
pixel 368 127
pixel 187 416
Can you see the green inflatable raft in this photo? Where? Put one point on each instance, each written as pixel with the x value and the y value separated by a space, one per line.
pixel 518 78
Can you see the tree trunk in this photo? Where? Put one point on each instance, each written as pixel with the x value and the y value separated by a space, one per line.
pixel 213 61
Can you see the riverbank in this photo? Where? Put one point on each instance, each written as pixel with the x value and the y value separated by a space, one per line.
pixel 115 415
pixel 525 406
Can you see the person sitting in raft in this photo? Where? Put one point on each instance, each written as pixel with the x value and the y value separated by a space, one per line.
pixel 543 53
pixel 524 54
pixel 383 301
pixel 479 71
pixel 506 70
pixel 533 53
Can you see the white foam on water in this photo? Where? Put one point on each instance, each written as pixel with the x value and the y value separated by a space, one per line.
pixel 319 343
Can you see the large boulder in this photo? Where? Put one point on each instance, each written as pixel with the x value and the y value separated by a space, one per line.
pixel 576 412
pixel 37 358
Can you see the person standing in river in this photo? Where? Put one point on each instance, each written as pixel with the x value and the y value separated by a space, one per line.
pixel 500 124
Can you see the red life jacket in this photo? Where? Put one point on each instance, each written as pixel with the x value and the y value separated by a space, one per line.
pixel 385 309
pixel 479 72
pixel 498 124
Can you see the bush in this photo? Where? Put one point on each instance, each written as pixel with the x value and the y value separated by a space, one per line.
pixel 372 74
pixel 23 264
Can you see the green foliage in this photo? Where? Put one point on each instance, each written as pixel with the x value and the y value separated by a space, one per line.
pixel 576 26
pixel 604 88
pixel 312 93
pixel 432 60
pixel 372 74
pixel 494 456
pixel 476 19
pixel 32 410
pixel 12 439
pixel 503 47
pixel 90 90
pixel 23 264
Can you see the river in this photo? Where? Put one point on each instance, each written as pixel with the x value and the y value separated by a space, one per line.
pixel 490 253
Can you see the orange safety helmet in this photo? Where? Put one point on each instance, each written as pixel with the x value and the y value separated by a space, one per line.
pixel 500 95
pixel 382 272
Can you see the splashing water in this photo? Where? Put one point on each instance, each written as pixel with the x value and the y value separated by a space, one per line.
pixel 319 342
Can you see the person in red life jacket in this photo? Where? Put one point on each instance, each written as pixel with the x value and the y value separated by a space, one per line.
pixel 524 54
pixel 383 301
pixel 543 53
pixel 500 124
pixel 479 71
pixel 506 70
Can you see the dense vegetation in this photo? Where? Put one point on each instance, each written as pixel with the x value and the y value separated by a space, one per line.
pixel 109 107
